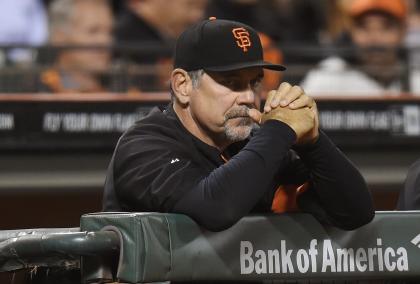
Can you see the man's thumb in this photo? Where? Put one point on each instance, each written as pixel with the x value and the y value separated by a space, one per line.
pixel 255 115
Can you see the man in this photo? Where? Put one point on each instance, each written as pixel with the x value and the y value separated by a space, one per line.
pixel 79 23
pixel 196 158
pixel 155 23
pixel 377 30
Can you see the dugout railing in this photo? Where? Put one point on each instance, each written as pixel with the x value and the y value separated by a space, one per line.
pixel 287 248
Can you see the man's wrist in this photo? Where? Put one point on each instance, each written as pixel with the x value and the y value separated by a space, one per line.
pixel 281 129
pixel 311 144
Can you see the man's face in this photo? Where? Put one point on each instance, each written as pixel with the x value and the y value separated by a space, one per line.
pixel 91 25
pixel 378 35
pixel 220 103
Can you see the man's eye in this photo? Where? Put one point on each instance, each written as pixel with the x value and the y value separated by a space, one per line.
pixel 255 84
pixel 231 84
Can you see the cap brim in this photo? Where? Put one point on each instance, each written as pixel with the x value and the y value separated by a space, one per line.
pixel 242 65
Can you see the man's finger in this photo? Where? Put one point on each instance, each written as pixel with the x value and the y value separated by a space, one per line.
pixel 255 115
pixel 270 97
pixel 283 89
pixel 302 101
pixel 283 86
pixel 293 94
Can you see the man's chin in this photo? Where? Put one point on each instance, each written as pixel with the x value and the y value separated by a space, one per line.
pixel 238 133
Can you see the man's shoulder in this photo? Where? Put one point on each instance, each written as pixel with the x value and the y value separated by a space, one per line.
pixel 333 63
pixel 331 66
pixel 335 76
pixel 155 123
pixel 319 79
pixel 156 130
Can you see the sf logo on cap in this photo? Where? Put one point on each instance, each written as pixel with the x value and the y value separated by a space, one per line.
pixel 242 36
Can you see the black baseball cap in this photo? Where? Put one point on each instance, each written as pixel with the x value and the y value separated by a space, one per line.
pixel 220 45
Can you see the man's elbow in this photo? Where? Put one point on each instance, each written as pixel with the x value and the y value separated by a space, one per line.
pixel 360 212
pixel 357 220
pixel 220 221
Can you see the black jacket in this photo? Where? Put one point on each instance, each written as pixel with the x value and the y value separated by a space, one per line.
pixel 159 166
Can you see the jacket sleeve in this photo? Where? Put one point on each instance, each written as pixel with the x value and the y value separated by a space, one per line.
pixel 216 200
pixel 338 193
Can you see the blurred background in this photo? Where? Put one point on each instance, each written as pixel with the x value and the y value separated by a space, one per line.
pixel 74 74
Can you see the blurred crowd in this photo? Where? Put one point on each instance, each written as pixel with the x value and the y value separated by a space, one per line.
pixel 331 47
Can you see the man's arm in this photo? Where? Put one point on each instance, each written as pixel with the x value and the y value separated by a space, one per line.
pixel 338 193
pixel 250 174
pixel 232 190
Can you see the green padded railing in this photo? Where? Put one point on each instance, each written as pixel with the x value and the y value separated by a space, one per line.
pixel 160 247
pixel 154 247
pixel 53 248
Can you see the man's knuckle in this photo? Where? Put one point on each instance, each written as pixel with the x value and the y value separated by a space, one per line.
pixel 272 92
pixel 298 89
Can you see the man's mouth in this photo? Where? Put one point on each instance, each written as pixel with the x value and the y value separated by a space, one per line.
pixel 240 121
pixel 239 116
pixel 238 113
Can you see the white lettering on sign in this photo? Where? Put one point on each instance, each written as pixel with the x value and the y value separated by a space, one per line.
pixel 404 119
pixel 88 122
pixel 357 120
pixel 411 120
pixel 51 122
pixel 7 121
pixel 333 260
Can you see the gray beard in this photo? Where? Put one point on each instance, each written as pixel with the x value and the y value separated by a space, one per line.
pixel 238 132
pixel 241 131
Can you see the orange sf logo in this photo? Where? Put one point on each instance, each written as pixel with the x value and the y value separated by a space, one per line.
pixel 242 36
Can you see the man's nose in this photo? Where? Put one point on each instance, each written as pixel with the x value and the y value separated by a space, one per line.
pixel 377 38
pixel 246 96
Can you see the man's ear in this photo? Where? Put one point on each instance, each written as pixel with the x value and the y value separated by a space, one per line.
pixel 181 85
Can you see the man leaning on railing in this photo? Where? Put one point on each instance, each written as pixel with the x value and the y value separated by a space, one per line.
pixel 198 156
